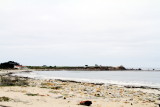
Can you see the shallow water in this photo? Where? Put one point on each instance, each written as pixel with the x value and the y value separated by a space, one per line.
pixel 136 78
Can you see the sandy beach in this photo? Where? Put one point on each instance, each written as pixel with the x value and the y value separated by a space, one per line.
pixel 27 92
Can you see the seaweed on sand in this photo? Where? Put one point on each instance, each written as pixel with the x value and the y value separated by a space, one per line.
pixel 13 81
pixel 4 99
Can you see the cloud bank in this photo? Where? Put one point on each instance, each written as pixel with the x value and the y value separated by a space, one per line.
pixel 79 32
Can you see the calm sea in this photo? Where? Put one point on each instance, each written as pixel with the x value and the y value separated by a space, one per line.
pixel 136 78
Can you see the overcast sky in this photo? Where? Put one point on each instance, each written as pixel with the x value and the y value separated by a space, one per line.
pixel 79 32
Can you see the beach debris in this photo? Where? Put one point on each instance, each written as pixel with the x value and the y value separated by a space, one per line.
pixel 58 97
pixel 54 91
pixel 51 86
pixel 86 103
pixel 48 84
pixel 31 94
pixel 4 106
pixel 56 87
pixel 43 87
pixel 4 99
pixel 27 71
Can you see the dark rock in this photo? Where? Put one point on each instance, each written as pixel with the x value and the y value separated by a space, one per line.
pixel 158 105
pixel 86 103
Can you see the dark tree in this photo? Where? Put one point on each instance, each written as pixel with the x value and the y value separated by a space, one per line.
pixel 8 65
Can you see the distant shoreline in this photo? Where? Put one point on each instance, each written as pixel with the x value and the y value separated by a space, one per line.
pixel 91 70
pixel 87 68
pixel 73 69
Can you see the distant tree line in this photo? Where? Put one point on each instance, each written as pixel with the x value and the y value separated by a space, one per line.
pixel 86 67
pixel 8 65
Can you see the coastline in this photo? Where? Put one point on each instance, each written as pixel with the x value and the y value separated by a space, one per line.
pixel 6 72
pixel 65 93
pixel 87 77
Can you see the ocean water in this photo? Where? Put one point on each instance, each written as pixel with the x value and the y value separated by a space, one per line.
pixel 134 78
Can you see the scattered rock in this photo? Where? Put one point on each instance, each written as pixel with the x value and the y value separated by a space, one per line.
pixel 86 103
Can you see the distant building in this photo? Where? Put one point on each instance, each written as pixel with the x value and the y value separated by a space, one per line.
pixel 20 67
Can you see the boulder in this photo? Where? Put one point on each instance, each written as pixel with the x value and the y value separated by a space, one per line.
pixel 86 103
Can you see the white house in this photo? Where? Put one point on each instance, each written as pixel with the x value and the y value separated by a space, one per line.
pixel 20 67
